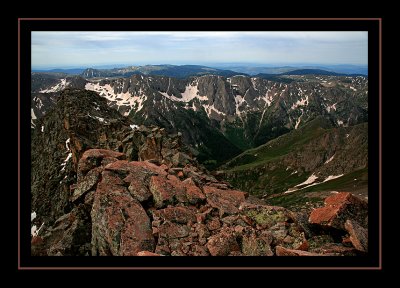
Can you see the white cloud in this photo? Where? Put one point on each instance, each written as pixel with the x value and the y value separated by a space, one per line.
pixel 193 47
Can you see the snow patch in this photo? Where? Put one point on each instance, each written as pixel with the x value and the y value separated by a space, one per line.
pixel 65 161
pixel 120 99
pixel 254 83
pixel 310 180
pixel 211 108
pixel 33 116
pixel 56 88
pixel 191 92
pixel 97 118
pixel 33 215
pixel 301 102
pixel 39 103
pixel 339 122
pixel 239 100
pixel 331 177
pixel 330 159
pixel 331 107
pixel 352 88
pixel 134 127
pixel 42 128
pixel 67 144
pixel 35 231
pixel 298 122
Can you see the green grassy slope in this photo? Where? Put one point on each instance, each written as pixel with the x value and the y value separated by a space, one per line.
pixel 281 164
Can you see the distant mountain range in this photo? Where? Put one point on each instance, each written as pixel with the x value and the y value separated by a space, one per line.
pixel 183 71
pixel 74 71
pixel 267 69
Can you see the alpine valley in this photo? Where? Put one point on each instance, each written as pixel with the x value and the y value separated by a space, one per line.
pixel 194 160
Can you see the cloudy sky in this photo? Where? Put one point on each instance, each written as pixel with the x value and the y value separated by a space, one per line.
pixel 87 49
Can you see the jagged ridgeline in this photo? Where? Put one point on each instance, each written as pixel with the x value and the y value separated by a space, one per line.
pixel 219 116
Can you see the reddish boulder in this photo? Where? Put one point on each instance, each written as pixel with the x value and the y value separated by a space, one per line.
pixel 110 178
pixel 213 224
pixel 199 250
pixel 93 158
pixel 180 191
pixel 252 245
pixel 167 191
pixel 193 193
pixel 338 208
pixel 358 235
pixel 151 149
pixel 223 243
pixel 180 215
pixel 226 201
pixel 170 230
pixel 86 183
pixel 158 170
pixel 139 190
pixel 162 190
pixel 120 225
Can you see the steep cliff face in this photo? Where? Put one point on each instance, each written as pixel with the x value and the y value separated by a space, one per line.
pixel 45 90
pixel 80 120
pixel 239 112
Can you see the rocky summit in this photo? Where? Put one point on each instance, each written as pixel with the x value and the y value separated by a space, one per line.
pixel 139 208
pixel 104 186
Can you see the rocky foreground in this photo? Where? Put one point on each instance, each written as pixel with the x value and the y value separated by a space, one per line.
pixel 140 208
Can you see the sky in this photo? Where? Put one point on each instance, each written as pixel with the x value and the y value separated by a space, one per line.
pixel 89 49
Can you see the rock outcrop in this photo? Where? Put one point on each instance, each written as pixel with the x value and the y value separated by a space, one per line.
pixel 138 208
pixel 82 120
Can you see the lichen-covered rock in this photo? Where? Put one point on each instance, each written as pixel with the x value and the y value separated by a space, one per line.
pixel 163 191
pixel 93 158
pixel 179 215
pixel 87 182
pixel 70 234
pixel 193 193
pixel 226 201
pixel 120 225
pixel 253 245
pixel 223 243
pixel 264 215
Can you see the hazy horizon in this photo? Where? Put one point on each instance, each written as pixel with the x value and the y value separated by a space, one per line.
pixel 57 50
pixel 213 65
